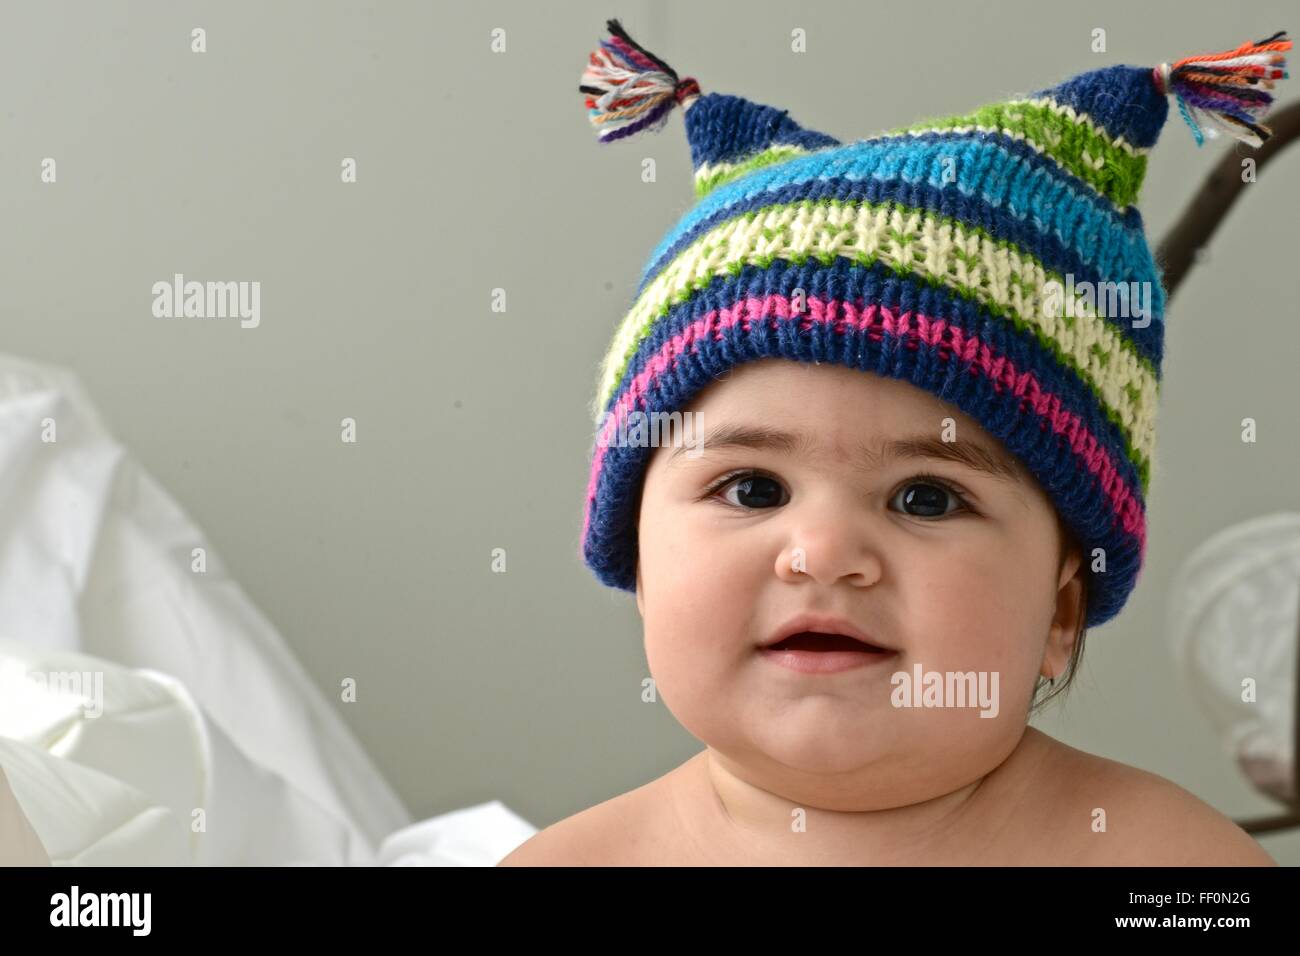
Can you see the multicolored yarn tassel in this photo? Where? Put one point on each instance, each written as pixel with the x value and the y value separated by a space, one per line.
pixel 1224 92
pixel 629 89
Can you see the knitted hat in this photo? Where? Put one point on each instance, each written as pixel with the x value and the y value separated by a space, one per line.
pixel 995 259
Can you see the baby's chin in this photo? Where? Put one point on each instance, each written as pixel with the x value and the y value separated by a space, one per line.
pixel 826 738
pixel 849 779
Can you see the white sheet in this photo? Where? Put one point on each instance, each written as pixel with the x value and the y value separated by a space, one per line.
pixel 116 765
pixel 95 559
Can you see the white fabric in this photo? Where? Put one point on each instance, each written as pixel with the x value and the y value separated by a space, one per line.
pixel 1233 613
pixel 205 704
pixel 87 818
pixel 481 835
pixel 19 844
pixel 121 766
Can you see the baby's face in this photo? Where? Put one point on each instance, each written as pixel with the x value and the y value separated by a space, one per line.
pixel 959 572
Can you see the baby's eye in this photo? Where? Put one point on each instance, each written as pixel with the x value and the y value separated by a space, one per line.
pixel 930 497
pixel 755 491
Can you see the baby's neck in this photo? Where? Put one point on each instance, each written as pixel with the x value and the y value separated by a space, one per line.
pixel 735 821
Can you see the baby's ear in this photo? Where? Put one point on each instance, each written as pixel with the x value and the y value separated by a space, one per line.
pixel 640 601
pixel 1071 561
pixel 1071 551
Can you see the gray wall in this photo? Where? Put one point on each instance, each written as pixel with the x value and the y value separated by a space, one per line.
pixel 479 171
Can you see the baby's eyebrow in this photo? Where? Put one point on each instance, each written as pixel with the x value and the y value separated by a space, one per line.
pixel 971 454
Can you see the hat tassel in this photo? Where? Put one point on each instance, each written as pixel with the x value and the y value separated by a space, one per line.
pixel 1224 92
pixel 629 89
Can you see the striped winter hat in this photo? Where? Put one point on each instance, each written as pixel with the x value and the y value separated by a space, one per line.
pixel 995 259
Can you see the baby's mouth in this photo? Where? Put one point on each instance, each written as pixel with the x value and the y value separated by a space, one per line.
pixel 815 641
pixel 813 653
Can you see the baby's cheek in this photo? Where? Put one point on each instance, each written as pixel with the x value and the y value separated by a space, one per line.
pixel 984 629
pixel 690 680
pixel 694 638
pixel 688 631
pixel 995 646
pixel 1000 578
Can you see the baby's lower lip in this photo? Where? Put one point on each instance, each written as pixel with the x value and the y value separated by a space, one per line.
pixel 825 662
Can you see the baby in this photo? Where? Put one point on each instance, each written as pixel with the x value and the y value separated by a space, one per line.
pixel 953 565
pixel 918 484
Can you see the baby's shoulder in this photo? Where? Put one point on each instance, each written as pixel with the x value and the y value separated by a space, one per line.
pixel 620 831
pixel 1124 816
